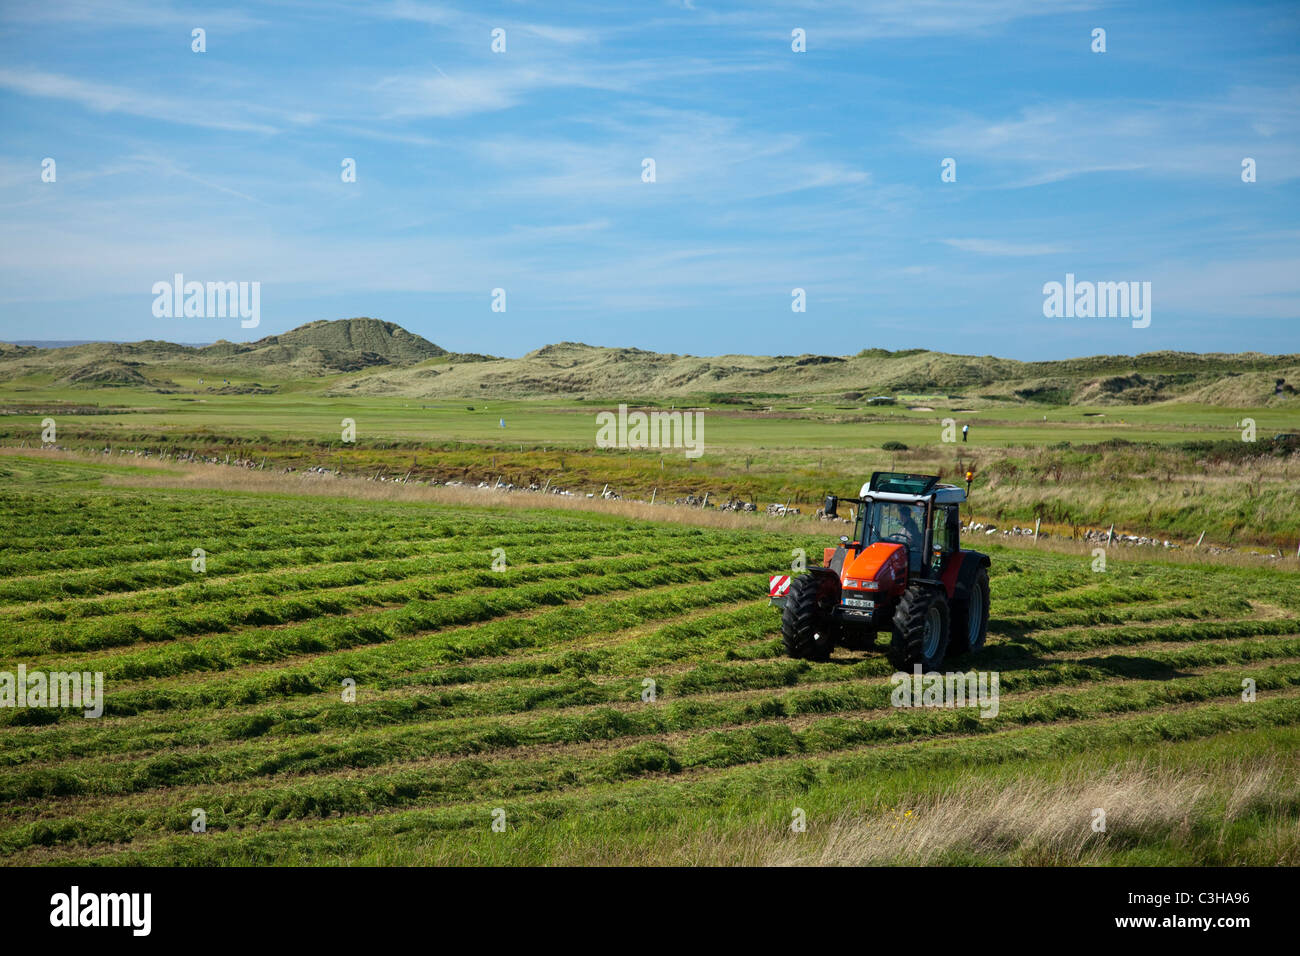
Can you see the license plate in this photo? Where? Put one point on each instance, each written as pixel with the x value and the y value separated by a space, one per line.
pixel 860 602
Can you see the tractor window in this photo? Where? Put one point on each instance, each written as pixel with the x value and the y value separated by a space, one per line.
pixel 941 530
pixel 943 535
pixel 895 521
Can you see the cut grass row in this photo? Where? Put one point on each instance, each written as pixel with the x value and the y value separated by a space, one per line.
pixel 418 581
pixel 118 577
pixel 403 640
pixel 245 520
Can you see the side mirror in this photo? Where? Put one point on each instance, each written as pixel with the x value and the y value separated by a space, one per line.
pixel 831 506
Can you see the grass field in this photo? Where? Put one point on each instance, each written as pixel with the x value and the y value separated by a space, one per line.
pixel 302 412
pixel 521 691
pixel 1170 471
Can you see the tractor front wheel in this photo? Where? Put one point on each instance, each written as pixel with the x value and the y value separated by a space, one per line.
pixel 806 624
pixel 921 631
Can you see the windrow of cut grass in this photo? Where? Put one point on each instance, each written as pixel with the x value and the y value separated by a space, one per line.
pixel 231 614
pixel 364 662
pixel 113 575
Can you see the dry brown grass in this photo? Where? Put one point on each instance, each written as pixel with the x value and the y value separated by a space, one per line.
pixel 1041 822
pixel 188 475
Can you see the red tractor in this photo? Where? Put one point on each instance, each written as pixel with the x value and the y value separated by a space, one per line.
pixel 902 571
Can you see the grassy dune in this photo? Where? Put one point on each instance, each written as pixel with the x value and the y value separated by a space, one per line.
pixel 350 358
pixel 521 690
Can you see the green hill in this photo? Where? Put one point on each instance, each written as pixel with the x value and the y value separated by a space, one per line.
pixel 386 340
pixel 365 356
pixel 314 350
pixel 568 369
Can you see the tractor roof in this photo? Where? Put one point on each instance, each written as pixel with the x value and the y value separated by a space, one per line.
pixel 896 486
pixel 899 483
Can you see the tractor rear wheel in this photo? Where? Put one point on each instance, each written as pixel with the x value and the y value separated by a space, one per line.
pixel 921 629
pixel 806 626
pixel 970 618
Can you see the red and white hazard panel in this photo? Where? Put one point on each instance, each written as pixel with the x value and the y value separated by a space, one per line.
pixel 778 585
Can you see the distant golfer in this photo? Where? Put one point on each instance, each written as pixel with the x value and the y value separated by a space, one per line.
pixel 965 430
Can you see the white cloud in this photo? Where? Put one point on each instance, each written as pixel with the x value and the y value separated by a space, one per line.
pixel 567 35
pixel 459 95
pixel 997 247
pixel 1201 139
pixel 104 98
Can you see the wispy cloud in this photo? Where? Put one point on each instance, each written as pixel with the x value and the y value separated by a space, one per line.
pixel 1208 138
pixel 474 22
pixel 441 95
pixel 997 247
pixel 105 98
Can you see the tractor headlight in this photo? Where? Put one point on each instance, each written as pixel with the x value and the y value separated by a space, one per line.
pixel 856 584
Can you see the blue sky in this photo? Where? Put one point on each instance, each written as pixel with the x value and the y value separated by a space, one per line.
pixel 775 170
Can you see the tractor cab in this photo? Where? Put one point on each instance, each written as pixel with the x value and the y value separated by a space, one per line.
pixel 915 511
